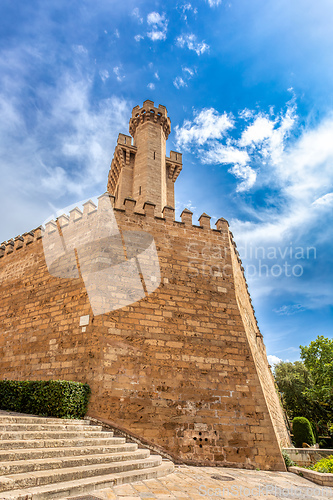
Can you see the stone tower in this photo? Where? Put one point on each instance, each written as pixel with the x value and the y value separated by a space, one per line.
pixel 142 170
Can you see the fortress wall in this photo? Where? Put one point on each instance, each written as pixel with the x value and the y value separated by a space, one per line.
pixel 258 350
pixel 175 368
pixel 40 337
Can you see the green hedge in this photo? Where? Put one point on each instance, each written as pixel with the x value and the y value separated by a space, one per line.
pixel 302 432
pixel 53 398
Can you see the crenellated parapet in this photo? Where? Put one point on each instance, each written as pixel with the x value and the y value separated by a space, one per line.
pixel 24 240
pixel 148 113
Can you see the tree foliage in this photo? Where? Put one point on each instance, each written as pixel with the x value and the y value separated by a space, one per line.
pixel 292 380
pixel 318 360
pixel 306 386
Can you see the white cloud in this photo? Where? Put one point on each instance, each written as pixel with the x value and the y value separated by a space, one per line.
pixel 324 201
pixel 137 38
pixel 159 25
pixel 64 155
pixel 156 75
pixel 262 141
pixel 289 310
pixel 80 49
pixel 179 82
pixel 246 114
pixel 268 135
pixel 189 71
pixel 156 18
pixel 185 8
pixel 260 129
pixel 190 41
pixel 116 33
pixel 221 154
pixel 207 125
pixel 273 360
pixel 104 74
pixel 136 14
pixel 117 72
pixel 247 175
pixel 151 86
pixel 156 35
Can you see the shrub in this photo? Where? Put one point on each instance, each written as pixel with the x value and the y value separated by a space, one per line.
pixel 53 398
pixel 287 459
pixel 302 432
pixel 324 465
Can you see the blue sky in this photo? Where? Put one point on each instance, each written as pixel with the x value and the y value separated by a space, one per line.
pixel 248 86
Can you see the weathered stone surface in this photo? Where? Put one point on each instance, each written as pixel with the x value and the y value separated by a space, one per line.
pixel 185 367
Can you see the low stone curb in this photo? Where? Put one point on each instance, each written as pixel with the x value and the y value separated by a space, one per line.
pixel 324 479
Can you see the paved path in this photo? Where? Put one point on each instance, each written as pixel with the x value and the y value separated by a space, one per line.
pixel 216 483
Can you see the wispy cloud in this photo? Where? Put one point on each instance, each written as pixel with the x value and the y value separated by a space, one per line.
pixel 62 154
pixel 104 74
pixel 190 41
pixel 186 8
pixel 214 3
pixel 181 80
pixel 151 86
pixel 159 26
pixel 289 310
pixel 136 14
pixel 118 72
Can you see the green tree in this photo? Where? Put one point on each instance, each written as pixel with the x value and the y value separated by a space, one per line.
pixel 292 380
pixel 318 360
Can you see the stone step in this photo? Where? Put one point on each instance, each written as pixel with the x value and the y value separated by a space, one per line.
pixel 14 427
pixel 37 435
pixel 70 489
pixel 47 458
pixel 47 477
pixel 44 453
pixel 37 420
pixel 56 443
pixel 26 466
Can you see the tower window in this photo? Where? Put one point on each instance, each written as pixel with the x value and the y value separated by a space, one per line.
pixel 139 190
pixel 154 155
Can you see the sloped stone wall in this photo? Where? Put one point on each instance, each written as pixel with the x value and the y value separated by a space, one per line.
pixel 179 367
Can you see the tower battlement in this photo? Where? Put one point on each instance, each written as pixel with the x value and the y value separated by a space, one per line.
pixel 141 170
pixel 148 112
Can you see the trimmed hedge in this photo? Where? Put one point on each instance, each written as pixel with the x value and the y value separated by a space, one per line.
pixel 51 398
pixel 302 432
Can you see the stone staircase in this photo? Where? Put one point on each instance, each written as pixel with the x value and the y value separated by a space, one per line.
pixel 49 458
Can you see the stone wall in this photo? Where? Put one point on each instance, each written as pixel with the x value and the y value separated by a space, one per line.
pixel 180 368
